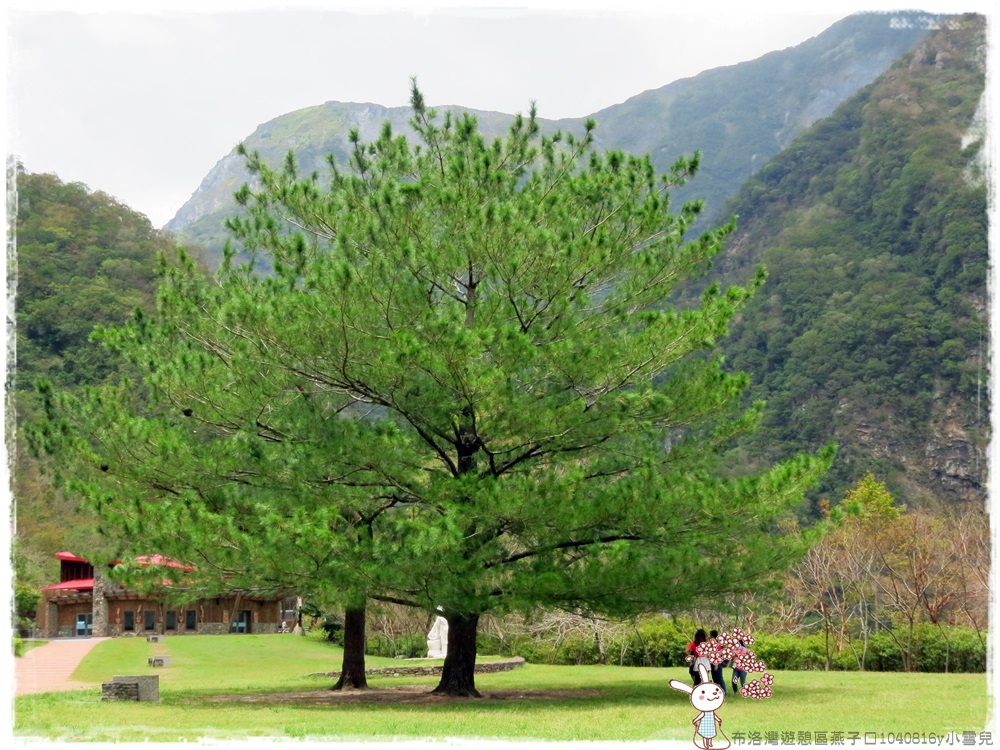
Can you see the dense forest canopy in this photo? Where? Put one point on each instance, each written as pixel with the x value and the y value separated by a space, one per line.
pixel 873 325
pixel 83 258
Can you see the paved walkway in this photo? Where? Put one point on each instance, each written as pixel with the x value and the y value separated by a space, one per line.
pixel 46 668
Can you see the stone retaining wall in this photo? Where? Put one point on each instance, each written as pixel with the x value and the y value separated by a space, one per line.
pixel 431 670
pixel 219 628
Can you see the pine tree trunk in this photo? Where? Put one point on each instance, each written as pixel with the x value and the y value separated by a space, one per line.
pixel 352 672
pixel 458 677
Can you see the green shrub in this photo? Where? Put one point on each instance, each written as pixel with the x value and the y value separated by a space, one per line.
pixel 491 643
pixel 26 599
pixel 660 642
pixel 332 629
pixel 935 648
pixel 847 660
pixel 883 653
pixel 321 633
pixel 535 651
pixel 577 651
pixel 949 649
pixel 410 646
pixel 777 651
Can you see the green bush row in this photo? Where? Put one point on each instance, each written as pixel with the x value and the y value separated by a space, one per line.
pixel 932 649
pixel 661 642
pixel 410 646
pixel 654 642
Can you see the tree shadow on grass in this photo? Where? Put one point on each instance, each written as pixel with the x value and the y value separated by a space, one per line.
pixel 401 694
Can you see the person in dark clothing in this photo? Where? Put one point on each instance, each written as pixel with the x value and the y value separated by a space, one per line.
pixel 739 675
pixel 717 677
pixel 699 638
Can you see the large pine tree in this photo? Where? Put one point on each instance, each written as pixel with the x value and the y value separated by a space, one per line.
pixel 460 387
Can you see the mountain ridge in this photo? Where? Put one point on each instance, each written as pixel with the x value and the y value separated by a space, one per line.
pixel 722 112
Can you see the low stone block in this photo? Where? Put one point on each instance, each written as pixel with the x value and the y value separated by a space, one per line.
pixel 159 661
pixel 119 691
pixel 154 638
pixel 148 685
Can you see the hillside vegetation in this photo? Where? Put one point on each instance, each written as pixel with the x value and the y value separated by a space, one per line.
pixel 83 259
pixel 872 328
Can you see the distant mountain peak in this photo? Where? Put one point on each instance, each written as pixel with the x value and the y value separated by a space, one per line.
pixel 738 116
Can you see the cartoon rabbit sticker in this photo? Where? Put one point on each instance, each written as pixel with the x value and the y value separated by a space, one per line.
pixel 706 699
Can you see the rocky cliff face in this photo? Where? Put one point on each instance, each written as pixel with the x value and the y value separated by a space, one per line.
pixel 310 132
pixel 214 193
pixel 947 460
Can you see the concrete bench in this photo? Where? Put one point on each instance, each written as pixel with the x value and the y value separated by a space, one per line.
pixel 131 688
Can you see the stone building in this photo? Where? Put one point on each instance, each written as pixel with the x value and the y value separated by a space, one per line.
pixel 86 603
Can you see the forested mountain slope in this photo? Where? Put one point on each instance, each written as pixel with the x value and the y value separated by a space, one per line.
pixel 83 259
pixel 738 117
pixel 873 326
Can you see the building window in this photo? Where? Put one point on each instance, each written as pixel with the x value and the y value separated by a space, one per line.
pixel 149 619
pixel 129 624
pixel 171 620
pixel 190 621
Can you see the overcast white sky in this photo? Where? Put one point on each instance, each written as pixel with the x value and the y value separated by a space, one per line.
pixel 141 99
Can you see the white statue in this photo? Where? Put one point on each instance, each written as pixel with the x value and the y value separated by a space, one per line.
pixel 437 639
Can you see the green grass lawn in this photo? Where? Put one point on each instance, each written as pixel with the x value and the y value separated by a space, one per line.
pixel 200 698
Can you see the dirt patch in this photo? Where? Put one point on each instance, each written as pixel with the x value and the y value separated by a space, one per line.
pixel 411 694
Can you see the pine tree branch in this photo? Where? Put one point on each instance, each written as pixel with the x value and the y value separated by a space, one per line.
pixel 566 545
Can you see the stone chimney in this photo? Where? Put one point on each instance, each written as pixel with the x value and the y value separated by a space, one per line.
pixel 100 606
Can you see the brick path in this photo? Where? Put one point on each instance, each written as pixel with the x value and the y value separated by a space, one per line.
pixel 46 668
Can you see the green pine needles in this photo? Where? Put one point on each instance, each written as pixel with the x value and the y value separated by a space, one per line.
pixel 461 387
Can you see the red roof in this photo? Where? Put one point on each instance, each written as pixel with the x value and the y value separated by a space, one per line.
pixel 87 584
pixel 164 561
pixel 70 557
pixel 143 560
pixel 81 584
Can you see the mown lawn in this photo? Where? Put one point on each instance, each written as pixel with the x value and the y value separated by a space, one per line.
pixel 200 698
